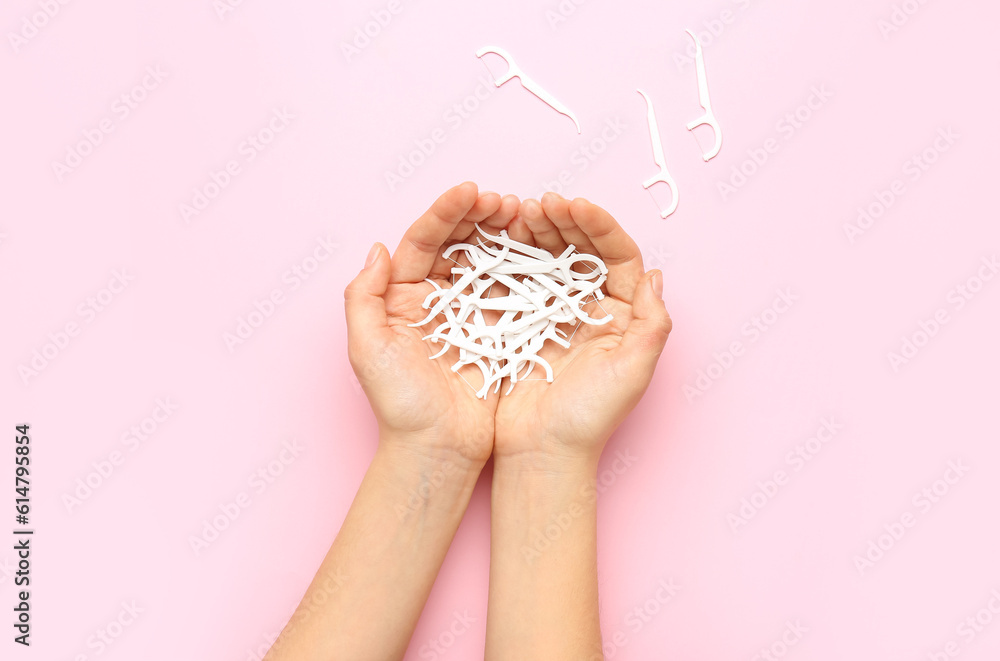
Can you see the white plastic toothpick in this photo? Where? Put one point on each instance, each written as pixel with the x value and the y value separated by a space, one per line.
pixel 543 292
pixel 514 71
pixel 708 119
pixel 663 176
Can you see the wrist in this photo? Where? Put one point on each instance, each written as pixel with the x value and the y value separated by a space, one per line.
pixel 420 454
pixel 420 451
pixel 541 481
pixel 548 459
pixel 420 487
pixel 543 513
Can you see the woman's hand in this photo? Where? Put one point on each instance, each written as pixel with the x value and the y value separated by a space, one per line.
pixel 421 405
pixel 601 377
pixel 434 438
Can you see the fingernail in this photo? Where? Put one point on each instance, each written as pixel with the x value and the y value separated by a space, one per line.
pixel 657 283
pixel 372 255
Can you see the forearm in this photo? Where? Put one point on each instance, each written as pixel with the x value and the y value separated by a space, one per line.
pixel 370 589
pixel 543 563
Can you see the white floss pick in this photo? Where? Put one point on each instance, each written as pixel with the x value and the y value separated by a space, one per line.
pixel 544 291
pixel 707 119
pixel 514 71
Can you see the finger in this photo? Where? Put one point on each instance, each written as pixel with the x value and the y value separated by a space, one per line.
pixel 415 255
pixel 509 206
pixel 492 224
pixel 546 234
pixel 613 244
pixel 556 207
pixel 647 333
pixel 518 230
pixel 364 304
pixel 487 205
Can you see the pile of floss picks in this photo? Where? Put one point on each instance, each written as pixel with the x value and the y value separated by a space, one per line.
pixel 544 291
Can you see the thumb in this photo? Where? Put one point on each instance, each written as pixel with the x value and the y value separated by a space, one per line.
pixel 363 302
pixel 647 333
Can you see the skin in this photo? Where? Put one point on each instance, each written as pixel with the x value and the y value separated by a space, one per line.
pixel 549 438
pixel 435 436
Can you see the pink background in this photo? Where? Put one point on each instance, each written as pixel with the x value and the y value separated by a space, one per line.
pixel 724 256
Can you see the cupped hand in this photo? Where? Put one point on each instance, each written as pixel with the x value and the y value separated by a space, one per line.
pixel 419 403
pixel 606 370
